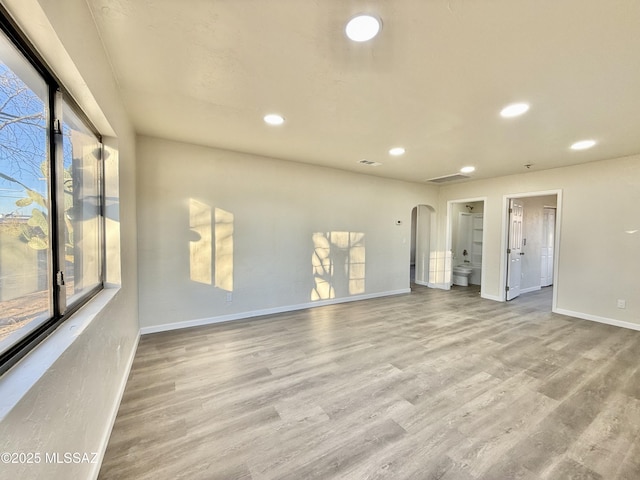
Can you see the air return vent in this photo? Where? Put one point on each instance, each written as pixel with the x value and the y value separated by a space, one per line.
pixel 448 178
pixel 369 163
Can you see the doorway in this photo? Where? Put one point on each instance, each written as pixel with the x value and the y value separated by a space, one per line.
pixel 423 230
pixel 466 242
pixel 530 245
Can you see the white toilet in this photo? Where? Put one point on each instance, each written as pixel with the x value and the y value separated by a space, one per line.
pixel 461 275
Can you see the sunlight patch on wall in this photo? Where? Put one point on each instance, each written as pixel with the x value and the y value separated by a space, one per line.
pixel 224 249
pixel 440 268
pixel 338 264
pixel 211 247
pixel 200 249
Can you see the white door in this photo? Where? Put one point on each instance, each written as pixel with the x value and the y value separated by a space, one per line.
pixel 514 249
pixel 548 240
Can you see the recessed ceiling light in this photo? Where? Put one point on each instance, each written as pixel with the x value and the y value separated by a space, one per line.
pixel 468 169
pixel 514 110
pixel 395 151
pixel 363 28
pixel 274 119
pixel 583 144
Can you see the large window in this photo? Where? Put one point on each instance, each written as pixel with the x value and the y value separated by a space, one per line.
pixel 51 225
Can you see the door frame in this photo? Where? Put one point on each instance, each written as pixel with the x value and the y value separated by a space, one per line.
pixel 450 220
pixel 505 239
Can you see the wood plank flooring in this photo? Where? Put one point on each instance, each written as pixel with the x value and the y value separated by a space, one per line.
pixel 428 385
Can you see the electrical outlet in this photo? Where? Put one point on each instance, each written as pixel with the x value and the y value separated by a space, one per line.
pixel 622 303
pixel 229 297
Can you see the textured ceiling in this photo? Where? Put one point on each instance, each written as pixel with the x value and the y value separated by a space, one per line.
pixel 433 81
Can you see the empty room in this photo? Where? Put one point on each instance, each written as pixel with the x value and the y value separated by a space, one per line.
pixel 338 239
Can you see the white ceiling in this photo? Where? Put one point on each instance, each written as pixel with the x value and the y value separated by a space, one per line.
pixel 433 81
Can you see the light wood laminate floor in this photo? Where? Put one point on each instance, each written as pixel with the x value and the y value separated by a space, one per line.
pixel 428 385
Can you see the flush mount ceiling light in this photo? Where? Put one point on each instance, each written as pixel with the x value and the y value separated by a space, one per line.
pixel 274 119
pixel 468 169
pixel 362 28
pixel 514 110
pixel 396 151
pixel 583 144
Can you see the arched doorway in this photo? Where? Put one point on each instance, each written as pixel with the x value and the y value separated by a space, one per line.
pixel 423 231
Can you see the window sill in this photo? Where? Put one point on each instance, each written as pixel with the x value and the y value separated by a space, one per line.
pixel 19 379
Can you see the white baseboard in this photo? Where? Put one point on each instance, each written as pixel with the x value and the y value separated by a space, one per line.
pixel 441 286
pixel 267 311
pixel 114 413
pixel 495 298
pixel 595 318
pixel 530 289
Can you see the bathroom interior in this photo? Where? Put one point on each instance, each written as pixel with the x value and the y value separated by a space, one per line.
pixel 467 223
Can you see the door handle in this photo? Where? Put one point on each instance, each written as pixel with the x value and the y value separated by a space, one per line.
pixel 521 253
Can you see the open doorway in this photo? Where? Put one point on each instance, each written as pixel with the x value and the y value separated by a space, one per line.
pixel 423 229
pixel 466 242
pixel 531 239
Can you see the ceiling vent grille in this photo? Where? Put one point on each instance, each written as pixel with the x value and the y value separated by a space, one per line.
pixel 448 178
pixel 369 163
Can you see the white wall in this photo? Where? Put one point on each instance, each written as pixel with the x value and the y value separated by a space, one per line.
pixel 277 208
pixel 599 204
pixel 63 396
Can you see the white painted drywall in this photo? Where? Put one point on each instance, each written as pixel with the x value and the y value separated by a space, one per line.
pixel 63 396
pixel 599 203
pixel 277 207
